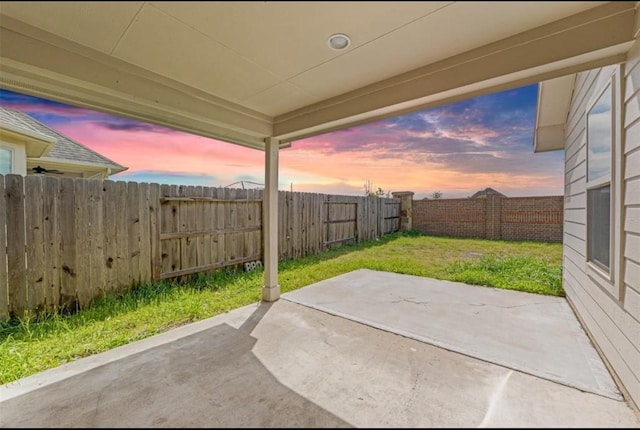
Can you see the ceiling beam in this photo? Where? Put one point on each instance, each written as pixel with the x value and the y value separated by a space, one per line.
pixel 596 37
pixel 38 63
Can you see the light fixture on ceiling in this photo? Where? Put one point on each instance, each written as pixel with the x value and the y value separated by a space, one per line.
pixel 339 41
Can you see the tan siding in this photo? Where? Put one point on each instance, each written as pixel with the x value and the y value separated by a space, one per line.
pixel 632 195
pixel 610 321
pixel 632 166
pixel 577 230
pixel 632 137
pixel 632 110
pixel 633 58
pixel 580 100
pixel 578 158
pixel 576 173
pixel 632 77
pixel 581 78
pixel 575 243
pixel 632 219
pixel 576 215
pixel 575 255
pixel 632 247
pixel 632 275
pixel 627 326
pixel 576 201
pixel 575 143
pixel 575 133
pixel 632 302
pixel 607 341
pixel 576 187
pixel 629 355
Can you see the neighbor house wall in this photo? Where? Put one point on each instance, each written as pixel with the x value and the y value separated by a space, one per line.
pixel 19 157
pixel 609 309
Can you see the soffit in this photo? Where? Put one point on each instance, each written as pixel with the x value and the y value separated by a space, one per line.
pixel 256 53
pixel 242 71
pixel 552 110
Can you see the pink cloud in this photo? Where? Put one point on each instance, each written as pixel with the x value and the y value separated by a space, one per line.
pixel 148 150
pixel 456 149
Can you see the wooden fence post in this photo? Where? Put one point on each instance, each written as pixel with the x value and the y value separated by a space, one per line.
pixel 4 286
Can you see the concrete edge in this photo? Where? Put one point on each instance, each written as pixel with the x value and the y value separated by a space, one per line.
pixel 30 383
pixel 550 298
pixel 549 377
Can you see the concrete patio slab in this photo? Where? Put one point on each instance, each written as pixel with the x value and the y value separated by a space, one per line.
pixel 286 365
pixel 534 334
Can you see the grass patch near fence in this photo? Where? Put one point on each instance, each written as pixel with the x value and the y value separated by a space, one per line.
pixel 522 273
pixel 30 345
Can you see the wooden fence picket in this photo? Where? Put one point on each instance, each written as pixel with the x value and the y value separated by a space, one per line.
pixel 34 236
pixel 66 241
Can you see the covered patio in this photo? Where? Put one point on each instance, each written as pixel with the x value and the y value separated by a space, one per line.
pixel 263 75
pixel 511 359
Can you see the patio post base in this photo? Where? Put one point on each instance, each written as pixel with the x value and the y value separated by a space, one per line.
pixel 271 294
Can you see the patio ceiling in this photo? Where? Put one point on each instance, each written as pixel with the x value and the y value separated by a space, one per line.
pixel 245 71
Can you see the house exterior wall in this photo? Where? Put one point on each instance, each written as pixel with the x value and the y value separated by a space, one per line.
pixel 19 157
pixel 608 308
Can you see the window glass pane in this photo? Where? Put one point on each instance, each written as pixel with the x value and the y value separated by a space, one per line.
pixel 598 218
pixel 599 137
pixel 5 161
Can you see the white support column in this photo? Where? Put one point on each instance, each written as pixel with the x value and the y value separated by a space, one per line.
pixel 271 289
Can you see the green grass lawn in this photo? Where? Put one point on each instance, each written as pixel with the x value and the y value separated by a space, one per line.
pixel 30 345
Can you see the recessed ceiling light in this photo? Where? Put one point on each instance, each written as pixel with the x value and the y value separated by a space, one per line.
pixel 339 41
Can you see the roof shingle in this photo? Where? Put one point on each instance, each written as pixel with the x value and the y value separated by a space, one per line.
pixel 64 148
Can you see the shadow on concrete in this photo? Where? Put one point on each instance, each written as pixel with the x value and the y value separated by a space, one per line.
pixel 207 379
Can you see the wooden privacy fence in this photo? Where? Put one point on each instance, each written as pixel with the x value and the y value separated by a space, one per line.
pixel 309 223
pixel 64 241
pixel 203 228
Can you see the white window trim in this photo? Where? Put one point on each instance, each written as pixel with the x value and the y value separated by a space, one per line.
pixel 13 158
pixel 614 276
pixel 617 175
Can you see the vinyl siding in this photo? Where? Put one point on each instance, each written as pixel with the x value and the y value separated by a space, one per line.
pixel 612 318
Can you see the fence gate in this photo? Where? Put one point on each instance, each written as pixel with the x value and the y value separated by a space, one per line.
pixel 340 222
pixel 390 216
pixel 201 232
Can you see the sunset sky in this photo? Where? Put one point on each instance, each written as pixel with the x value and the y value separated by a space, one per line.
pixel 456 149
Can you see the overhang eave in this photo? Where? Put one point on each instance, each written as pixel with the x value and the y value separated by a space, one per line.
pixel 552 110
pixel 38 63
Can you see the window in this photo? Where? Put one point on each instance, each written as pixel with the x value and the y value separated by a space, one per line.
pixel 6 161
pixel 599 143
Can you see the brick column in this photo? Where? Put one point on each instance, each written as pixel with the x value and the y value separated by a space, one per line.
pixel 493 217
pixel 406 211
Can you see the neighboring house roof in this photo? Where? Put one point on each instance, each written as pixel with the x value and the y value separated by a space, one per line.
pixel 487 191
pixel 64 148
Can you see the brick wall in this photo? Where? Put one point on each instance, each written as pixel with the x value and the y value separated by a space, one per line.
pixel 517 218
pixel 532 218
pixel 450 217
